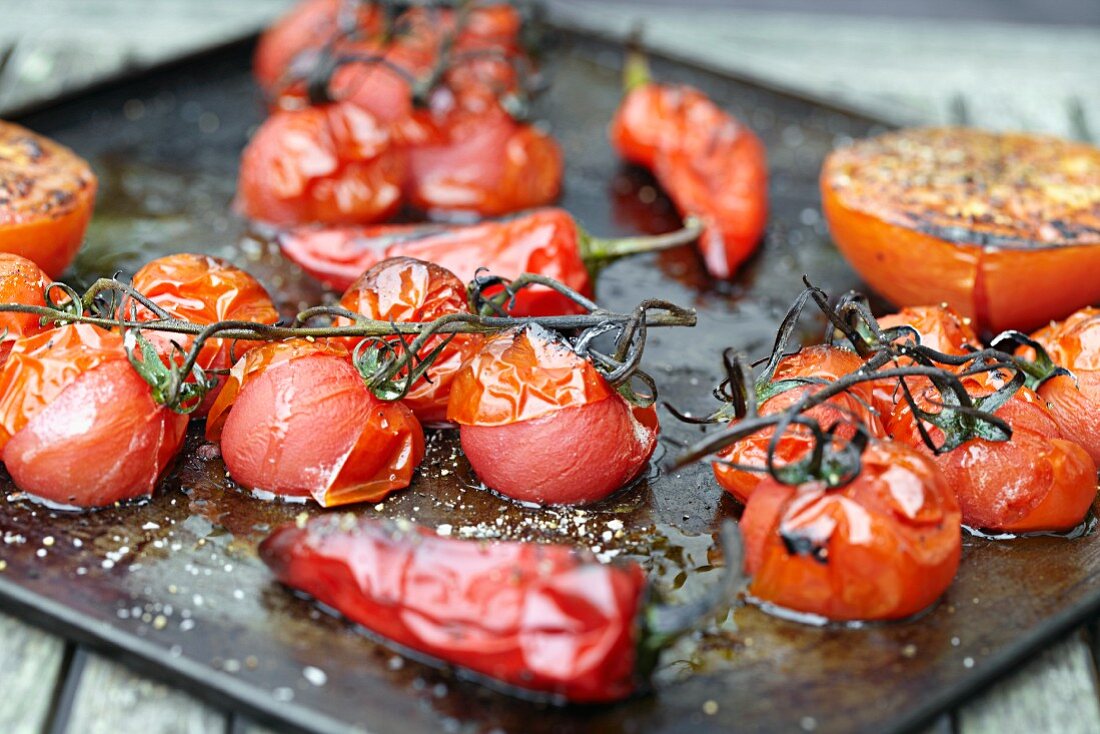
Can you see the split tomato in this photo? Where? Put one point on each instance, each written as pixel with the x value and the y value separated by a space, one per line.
pixel 539 423
pixel 68 397
pixel 1036 481
pixel 46 197
pixel 203 290
pixel 296 420
pixel 334 163
pixel 21 281
pixel 402 289
pixel 822 363
pixel 884 546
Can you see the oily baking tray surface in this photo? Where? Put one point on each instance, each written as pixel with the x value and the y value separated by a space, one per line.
pixel 174 586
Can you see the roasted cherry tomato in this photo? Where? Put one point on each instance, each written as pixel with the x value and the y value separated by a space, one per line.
pixel 523 402
pixel 203 290
pixel 1035 481
pixel 710 164
pixel 296 420
pixel 21 281
pixel 488 165
pixel 307 28
pixel 971 218
pixel 404 289
pixel 334 163
pixel 78 425
pixel 884 546
pixel 545 619
pixel 46 197
pixel 815 362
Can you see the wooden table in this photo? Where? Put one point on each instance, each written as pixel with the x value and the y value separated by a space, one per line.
pixel 911 71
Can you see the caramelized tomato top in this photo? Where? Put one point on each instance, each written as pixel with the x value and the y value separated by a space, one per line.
pixel 973 186
pixel 940 327
pixel 520 375
pixel 203 289
pixel 39 179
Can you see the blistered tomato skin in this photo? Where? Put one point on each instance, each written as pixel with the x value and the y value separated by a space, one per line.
pixel 203 290
pixel 885 546
pixel 71 394
pixel 296 420
pixel 539 424
pixel 563 625
pixel 47 193
pixel 21 281
pixel 404 289
pixel 545 241
pixel 1036 481
pixel 821 362
pixel 333 164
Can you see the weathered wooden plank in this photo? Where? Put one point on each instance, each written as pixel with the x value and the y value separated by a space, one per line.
pixel 30 661
pixel 111 699
pixel 1055 692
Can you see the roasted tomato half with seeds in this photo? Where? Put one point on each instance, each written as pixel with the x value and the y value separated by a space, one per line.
pixel 203 290
pixel 540 424
pixel 885 546
pixel 21 281
pixel 69 394
pixel 1036 481
pixel 296 420
pixel 404 289
pixel 46 197
pixel 816 363
pixel 971 218
pixel 334 163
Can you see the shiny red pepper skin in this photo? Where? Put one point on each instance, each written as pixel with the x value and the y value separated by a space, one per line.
pixel 546 241
pixel 710 164
pixel 542 619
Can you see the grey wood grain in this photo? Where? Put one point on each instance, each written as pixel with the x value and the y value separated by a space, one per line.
pixel 111 699
pixel 1056 692
pixel 30 661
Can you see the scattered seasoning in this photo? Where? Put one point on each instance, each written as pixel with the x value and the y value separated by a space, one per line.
pixel 710 708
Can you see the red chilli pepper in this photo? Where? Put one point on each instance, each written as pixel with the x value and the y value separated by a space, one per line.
pixel 543 621
pixel 711 165
pixel 546 241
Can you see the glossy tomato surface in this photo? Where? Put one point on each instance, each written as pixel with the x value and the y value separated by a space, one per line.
pixel 334 164
pixel 885 546
pixel 70 400
pixel 404 289
pixel 545 241
pixel 203 290
pixel 816 362
pixel 21 281
pixel 296 420
pixel 47 193
pixel 1036 481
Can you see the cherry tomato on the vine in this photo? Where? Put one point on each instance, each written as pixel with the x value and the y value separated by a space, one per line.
pixel 884 546
pixel 405 289
pixel 78 425
pixel 296 420
pixel 21 281
pixel 539 423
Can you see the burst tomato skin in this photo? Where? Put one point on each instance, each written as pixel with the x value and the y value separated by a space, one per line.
pixel 334 164
pixel 488 165
pixel 404 289
pixel 710 164
pixel 883 547
pixel 1036 481
pixel 301 423
pixel 823 362
pixel 21 281
pixel 204 290
pixel 70 397
pixel 545 241
pixel 539 424
pixel 47 193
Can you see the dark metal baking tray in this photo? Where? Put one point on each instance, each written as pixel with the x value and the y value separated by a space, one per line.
pixel 174 586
